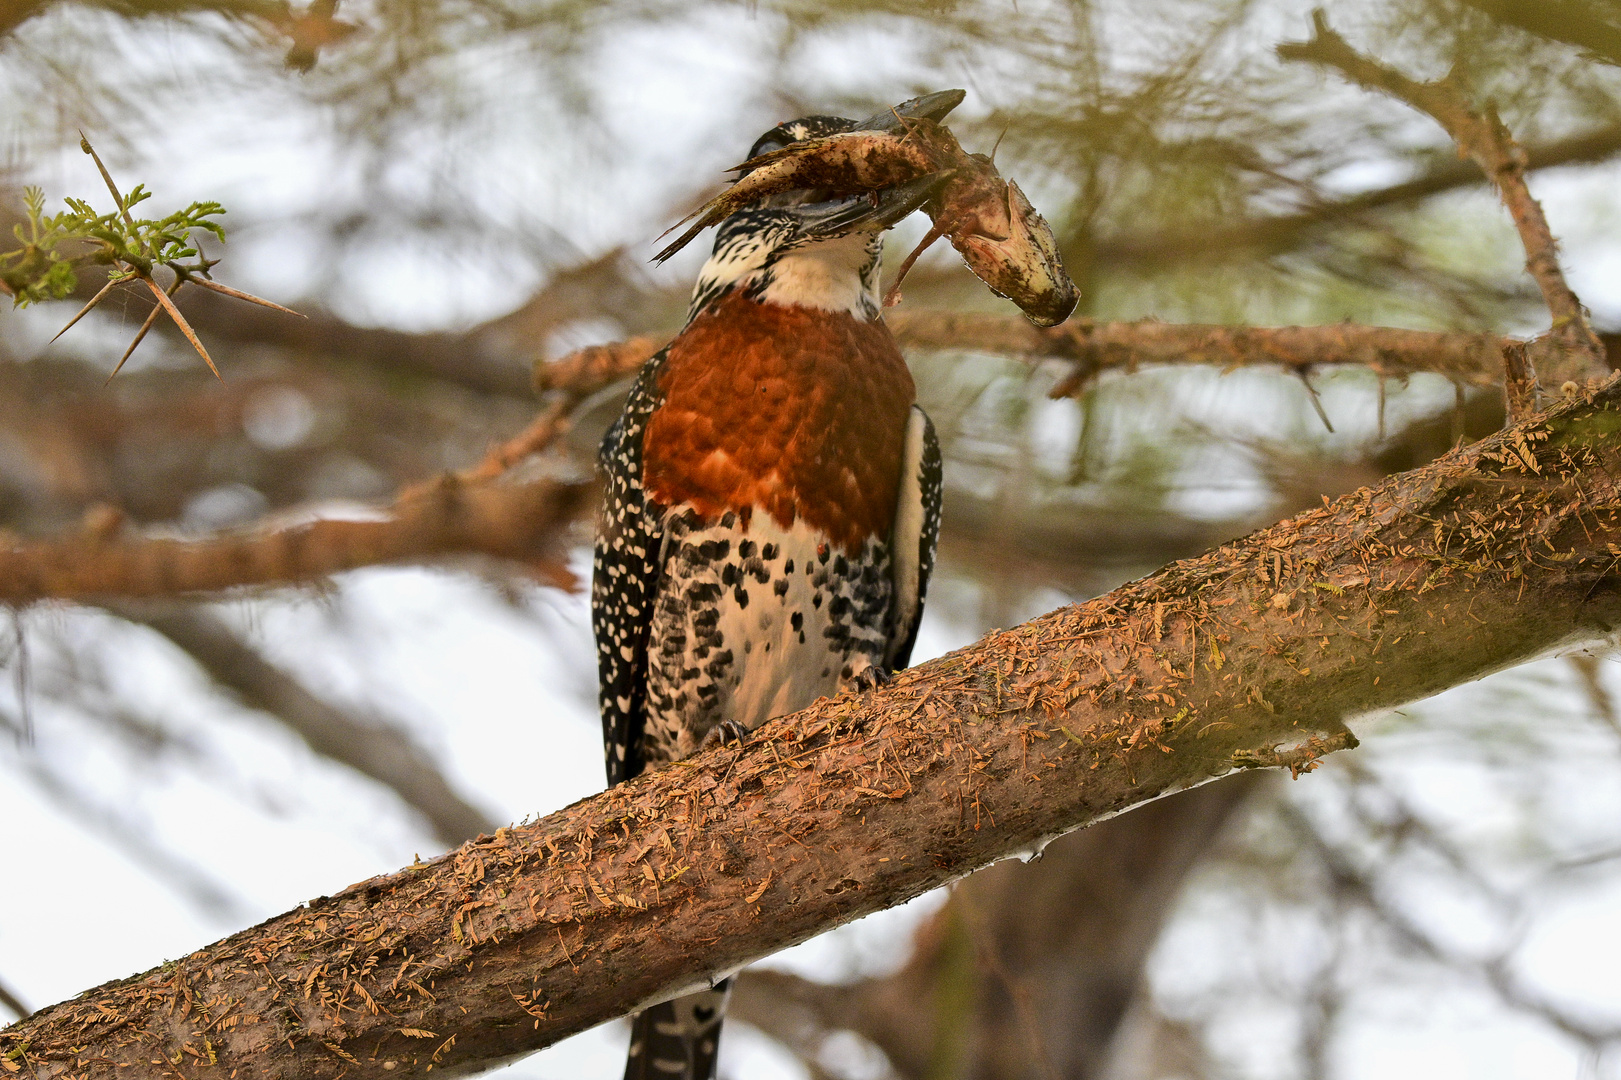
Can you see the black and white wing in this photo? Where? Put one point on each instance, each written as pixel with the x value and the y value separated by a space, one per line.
pixel 628 557
pixel 914 536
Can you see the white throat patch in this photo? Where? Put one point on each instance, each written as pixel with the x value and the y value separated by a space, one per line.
pixel 829 275
pixel 835 275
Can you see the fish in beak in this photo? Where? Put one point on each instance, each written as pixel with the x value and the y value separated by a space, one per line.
pixel 1004 241
pixel 900 160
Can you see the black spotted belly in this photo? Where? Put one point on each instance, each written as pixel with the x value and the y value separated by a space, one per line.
pixel 748 625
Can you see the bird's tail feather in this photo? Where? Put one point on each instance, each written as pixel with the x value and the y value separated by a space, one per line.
pixel 680 1039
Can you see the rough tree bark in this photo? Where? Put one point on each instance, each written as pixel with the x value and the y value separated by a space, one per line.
pixel 1254 654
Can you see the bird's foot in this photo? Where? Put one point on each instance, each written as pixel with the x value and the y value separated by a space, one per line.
pixel 868 678
pixel 724 733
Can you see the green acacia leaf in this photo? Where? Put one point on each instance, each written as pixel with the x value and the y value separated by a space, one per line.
pixel 132 246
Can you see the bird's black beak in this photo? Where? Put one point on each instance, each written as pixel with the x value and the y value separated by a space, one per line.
pixel 881 209
pixel 936 106
pixel 866 213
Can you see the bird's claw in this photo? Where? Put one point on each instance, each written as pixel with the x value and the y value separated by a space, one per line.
pixel 868 678
pixel 724 733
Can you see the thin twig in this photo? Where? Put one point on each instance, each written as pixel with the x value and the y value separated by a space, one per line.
pixel 541 433
pixel 140 336
pixel 1316 400
pixel 141 265
pixel 13 1002
pixel 570 380
pixel 240 295
pixel 552 422
pixel 180 321
pixel 94 300
pixel 1483 137
pixel 118 199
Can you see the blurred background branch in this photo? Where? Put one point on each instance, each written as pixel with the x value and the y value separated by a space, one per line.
pixel 1593 27
pixel 1482 136
pixel 367 745
pixel 13 1003
pixel 519 522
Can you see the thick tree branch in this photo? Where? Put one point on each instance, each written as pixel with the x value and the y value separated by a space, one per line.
pixel 1101 346
pixel 1484 138
pixel 1496 553
pixel 521 522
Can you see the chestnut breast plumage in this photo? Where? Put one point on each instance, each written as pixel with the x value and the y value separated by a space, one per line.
pixel 795 413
